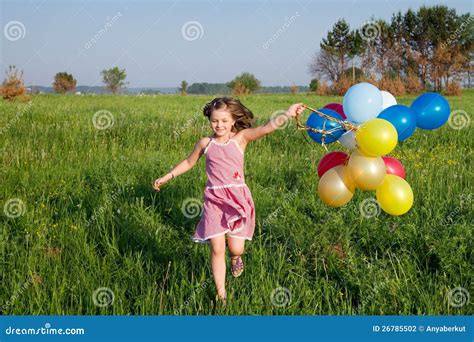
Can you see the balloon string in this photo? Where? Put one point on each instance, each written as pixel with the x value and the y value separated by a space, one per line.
pixel 346 124
pixel 323 132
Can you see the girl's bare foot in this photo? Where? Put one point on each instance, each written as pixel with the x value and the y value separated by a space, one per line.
pixel 221 298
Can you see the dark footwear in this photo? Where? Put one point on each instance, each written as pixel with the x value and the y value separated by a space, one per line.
pixel 238 267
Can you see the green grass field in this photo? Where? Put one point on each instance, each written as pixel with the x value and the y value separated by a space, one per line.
pixel 80 215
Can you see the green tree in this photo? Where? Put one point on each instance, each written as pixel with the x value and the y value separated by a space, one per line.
pixel 183 88
pixel 430 28
pixel 114 79
pixel 313 85
pixel 383 46
pixel 338 43
pixel 340 46
pixel 399 44
pixel 431 46
pixel 244 84
pixel 357 47
pixel 64 82
pixel 353 73
pixel 208 88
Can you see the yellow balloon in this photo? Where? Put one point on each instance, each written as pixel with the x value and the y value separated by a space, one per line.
pixel 336 187
pixel 376 137
pixel 367 173
pixel 395 195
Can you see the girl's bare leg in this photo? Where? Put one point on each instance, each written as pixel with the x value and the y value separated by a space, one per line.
pixel 236 247
pixel 218 264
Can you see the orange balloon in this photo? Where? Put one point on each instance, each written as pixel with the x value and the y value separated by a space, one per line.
pixel 336 187
pixel 367 173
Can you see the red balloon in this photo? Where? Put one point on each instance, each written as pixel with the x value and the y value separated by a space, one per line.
pixel 338 108
pixel 330 160
pixel 394 167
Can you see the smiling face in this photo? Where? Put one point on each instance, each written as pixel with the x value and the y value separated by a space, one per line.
pixel 221 122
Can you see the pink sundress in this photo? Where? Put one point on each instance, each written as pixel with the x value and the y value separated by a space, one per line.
pixel 228 205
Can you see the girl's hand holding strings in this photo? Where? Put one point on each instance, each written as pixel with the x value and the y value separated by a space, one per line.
pixel 295 110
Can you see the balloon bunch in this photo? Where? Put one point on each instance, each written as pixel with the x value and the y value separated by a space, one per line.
pixel 370 123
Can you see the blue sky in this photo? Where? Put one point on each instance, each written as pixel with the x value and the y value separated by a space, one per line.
pixel 160 43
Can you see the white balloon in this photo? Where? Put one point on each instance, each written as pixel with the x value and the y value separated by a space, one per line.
pixel 348 140
pixel 388 99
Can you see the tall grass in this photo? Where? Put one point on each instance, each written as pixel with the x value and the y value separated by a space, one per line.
pixel 92 220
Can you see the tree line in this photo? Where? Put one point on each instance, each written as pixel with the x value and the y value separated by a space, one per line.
pixel 427 49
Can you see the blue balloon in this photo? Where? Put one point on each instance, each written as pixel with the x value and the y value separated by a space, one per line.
pixel 362 102
pixel 402 118
pixel 431 110
pixel 318 122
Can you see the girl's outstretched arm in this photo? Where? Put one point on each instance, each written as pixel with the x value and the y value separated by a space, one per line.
pixel 251 134
pixel 184 166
